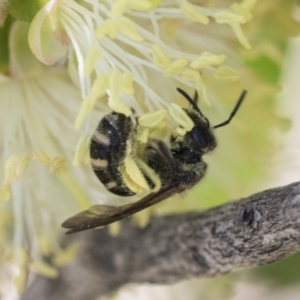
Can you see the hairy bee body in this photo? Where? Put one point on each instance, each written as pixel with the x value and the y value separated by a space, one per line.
pixel 159 168
pixel 113 157
pixel 108 150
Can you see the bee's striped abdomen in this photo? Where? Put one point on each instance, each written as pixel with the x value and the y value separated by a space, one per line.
pixel 108 150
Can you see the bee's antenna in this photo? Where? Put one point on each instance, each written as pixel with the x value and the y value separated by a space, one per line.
pixel 237 106
pixel 193 102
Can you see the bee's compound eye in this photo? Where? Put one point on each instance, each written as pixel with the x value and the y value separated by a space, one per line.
pixel 198 136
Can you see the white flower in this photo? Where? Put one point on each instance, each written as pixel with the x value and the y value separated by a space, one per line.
pixel 122 55
pixel 114 47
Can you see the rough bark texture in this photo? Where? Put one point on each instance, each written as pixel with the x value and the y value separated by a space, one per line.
pixel 258 230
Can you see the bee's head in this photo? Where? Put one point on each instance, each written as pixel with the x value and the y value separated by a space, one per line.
pixel 196 142
pixel 200 139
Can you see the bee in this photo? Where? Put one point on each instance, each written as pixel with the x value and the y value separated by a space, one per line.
pixel 162 169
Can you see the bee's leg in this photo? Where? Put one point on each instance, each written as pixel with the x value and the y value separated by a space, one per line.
pixel 160 159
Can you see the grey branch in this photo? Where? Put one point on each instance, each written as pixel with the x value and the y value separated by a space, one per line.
pixel 258 230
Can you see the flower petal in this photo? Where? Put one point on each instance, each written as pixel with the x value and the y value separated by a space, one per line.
pixel 46 38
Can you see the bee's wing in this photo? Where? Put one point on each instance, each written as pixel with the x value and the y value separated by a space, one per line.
pixel 100 215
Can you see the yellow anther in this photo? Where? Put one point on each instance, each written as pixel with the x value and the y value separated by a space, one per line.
pixel 238 14
pixel 57 164
pixel 5 193
pixel 248 4
pixel 127 83
pixel 108 28
pixel 175 68
pixel 181 117
pixel 42 158
pixel 98 89
pixel 86 107
pixel 20 280
pixel 10 168
pixel 126 27
pixel 43 268
pixel 118 7
pixel 152 119
pixel 143 5
pixel 65 256
pixel 193 13
pixel 22 165
pixel 99 86
pixel 15 167
pixel 207 59
pixel 160 57
pixel 21 256
pixel 227 73
pixel 142 134
pixel 226 17
pixel 91 59
pixel 240 35
pixel 44 244
pixel 114 229
pixel 114 101
pixel 202 91
pixel 179 131
pixel 133 176
pixel 240 10
pixel 142 218
pixel 190 75
pixel 82 150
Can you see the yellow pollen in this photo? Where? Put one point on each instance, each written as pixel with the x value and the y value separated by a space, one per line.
pixel 207 59
pixel 175 68
pixel 22 259
pixel 114 101
pixel 143 5
pixel 118 8
pixel 21 279
pixel 43 268
pixel 15 167
pixel 240 10
pixel 57 164
pixel 126 27
pixel 152 119
pixel 114 229
pixel 248 4
pixel 160 57
pixel 44 244
pixel 82 150
pixel 98 89
pixel 226 73
pixel 236 28
pixel 66 256
pixel 179 131
pixel 42 158
pixel 238 15
pixel 202 91
pixel 193 13
pixel 191 75
pixel 91 59
pixel 142 218
pixel 181 117
pixel 142 134
pixel 108 28
pixel 5 193
pixel 127 83
pixel 226 16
